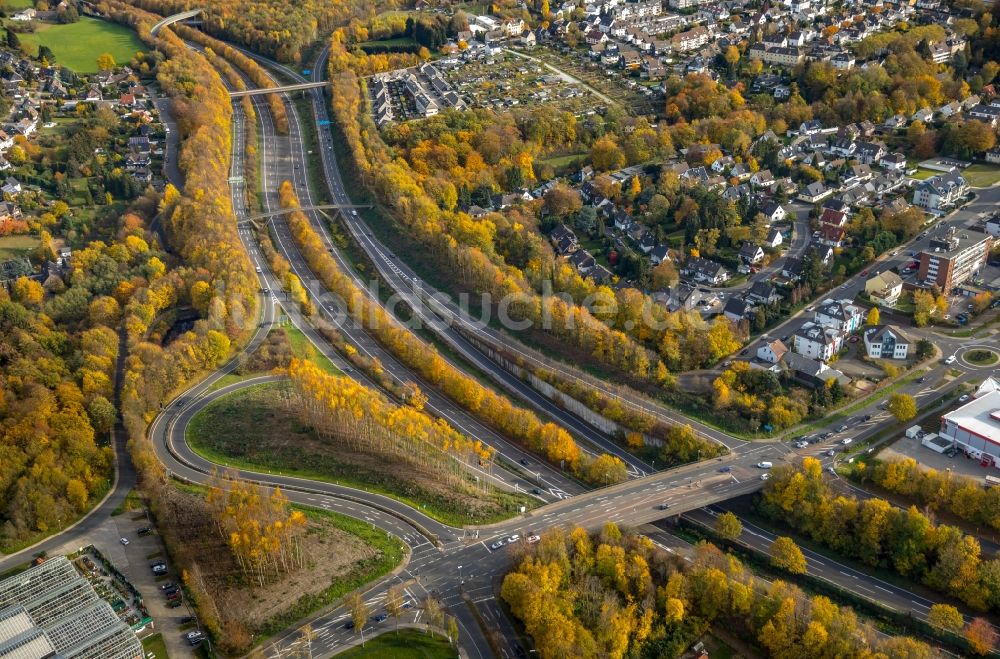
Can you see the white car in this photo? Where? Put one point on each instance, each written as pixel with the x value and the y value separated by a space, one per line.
pixel 513 538
pixel 846 440
pixel 963 398
pixel 124 541
pixel 950 360
pixel 496 545
pixel 764 477
pixel 532 539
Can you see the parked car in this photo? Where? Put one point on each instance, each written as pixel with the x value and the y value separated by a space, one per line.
pixel 497 545
pixel 187 620
pixel 963 398
pixel 144 531
pixel 173 604
pixel 124 541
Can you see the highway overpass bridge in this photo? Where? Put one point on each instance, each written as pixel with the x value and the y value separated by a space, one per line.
pixel 277 90
pixel 169 20
pixel 253 219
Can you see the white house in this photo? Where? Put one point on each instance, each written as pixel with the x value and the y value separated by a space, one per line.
pixel 840 315
pixel 887 342
pixel 940 192
pixel 817 342
pixel 884 288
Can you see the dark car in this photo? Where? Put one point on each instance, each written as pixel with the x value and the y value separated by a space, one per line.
pixel 381 617
pixel 523 462
pixel 349 624
pixel 144 531
pixel 187 619
pixel 173 604
pixel 536 491
pixel 663 506
pixel 725 470
pixel 921 380
pixel 171 591
pixel 868 417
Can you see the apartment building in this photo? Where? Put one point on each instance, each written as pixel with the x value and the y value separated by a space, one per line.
pixel 950 261
pixel 940 192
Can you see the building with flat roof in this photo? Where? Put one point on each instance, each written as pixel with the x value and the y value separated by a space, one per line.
pixel 954 259
pixel 975 427
pixel 51 610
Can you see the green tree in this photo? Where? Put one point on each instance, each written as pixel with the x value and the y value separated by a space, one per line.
pixel 12 40
pixel 728 526
pixel 785 554
pixel 903 407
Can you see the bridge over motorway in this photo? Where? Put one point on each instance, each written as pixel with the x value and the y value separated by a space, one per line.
pixel 250 219
pixel 169 20
pixel 277 90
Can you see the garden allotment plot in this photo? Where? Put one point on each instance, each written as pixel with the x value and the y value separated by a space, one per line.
pixel 504 81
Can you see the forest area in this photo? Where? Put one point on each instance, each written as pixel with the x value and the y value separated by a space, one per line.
pixel 615 594
pixel 878 534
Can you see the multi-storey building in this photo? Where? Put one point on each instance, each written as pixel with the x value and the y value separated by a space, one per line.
pixel 950 261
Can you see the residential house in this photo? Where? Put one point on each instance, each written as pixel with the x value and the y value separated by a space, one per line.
pixel 840 315
pixel 762 292
pixel 817 342
pixel 815 192
pixel 884 288
pixel 887 342
pixel 773 211
pixel 810 372
pixel 735 309
pixel 985 113
pixel 751 254
pixel 940 192
pixel 774 239
pixel 705 270
pixel 772 351
pixel 762 179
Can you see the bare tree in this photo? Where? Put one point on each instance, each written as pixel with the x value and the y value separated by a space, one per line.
pixel 434 613
pixel 452 629
pixel 308 636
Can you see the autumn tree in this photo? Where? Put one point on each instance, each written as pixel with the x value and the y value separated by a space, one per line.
pixel 106 62
pixel 982 636
pixel 728 526
pixel 394 603
pixel 785 554
pixel 903 407
pixel 359 614
pixel 873 316
pixel 946 617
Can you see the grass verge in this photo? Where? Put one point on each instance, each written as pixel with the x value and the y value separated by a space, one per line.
pixel 155 647
pixel 252 429
pixel 130 502
pixel 406 644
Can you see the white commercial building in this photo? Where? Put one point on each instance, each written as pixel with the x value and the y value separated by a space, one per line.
pixel 975 427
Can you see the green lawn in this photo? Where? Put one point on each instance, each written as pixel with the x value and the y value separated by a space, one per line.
pixel 922 174
pixel 306 351
pixel 397 42
pixel 156 645
pixel 78 45
pixel 409 644
pixel 981 175
pixel 15 5
pixel 14 246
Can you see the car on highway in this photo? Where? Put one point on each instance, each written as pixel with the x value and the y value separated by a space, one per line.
pixel 124 541
pixel 513 538
pixel 831 453
pixel 921 379
pixel 349 624
pixel 950 360
pixel 827 435
pixel 868 417
pixel 663 506
pixel 536 491
pixel 725 470
pixel 523 462
pixel 846 440
pixel 379 617
pixel 496 545
pixel 842 428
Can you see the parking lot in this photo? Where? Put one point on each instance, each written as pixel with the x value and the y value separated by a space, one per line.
pixel 960 464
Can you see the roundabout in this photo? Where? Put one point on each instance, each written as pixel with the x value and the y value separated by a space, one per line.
pixel 980 356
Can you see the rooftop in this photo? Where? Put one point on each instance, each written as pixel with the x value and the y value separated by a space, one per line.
pixel 980 416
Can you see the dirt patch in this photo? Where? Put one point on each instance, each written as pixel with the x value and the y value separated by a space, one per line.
pixel 330 554
pixel 257 428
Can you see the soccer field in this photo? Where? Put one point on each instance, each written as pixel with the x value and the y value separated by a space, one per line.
pixel 78 45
